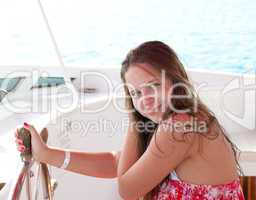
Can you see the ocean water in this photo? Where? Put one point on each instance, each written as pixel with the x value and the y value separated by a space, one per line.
pixel 217 35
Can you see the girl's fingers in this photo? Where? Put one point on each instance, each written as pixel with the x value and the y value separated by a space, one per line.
pixel 27 126
pixel 31 128
pixel 18 141
pixel 21 148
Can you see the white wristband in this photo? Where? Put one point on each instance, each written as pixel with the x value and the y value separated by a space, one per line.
pixel 66 160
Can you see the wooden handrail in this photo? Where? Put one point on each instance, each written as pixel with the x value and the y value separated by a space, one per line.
pixel 248 184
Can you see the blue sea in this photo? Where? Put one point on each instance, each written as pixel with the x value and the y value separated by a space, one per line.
pixel 216 35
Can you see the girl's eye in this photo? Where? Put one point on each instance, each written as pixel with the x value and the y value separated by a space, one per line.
pixel 154 85
pixel 136 93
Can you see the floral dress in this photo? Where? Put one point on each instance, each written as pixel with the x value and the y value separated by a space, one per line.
pixel 180 190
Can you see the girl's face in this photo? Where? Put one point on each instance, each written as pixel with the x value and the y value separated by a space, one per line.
pixel 149 89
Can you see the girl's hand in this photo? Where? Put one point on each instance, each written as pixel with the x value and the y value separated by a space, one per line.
pixel 39 148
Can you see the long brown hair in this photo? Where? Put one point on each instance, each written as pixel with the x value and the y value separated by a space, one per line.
pixel 161 57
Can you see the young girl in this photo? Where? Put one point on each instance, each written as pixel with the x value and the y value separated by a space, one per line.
pixel 180 152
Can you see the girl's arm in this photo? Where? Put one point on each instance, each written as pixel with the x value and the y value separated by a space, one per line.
pixel 130 153
pixel 156 162
pixel 100 164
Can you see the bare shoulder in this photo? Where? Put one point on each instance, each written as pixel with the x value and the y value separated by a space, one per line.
pixel 180 127
pixel 171 139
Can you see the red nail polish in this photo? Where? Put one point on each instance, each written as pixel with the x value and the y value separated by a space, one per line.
pixel 26 124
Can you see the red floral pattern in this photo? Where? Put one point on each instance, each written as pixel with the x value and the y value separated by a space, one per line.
pixel 179 190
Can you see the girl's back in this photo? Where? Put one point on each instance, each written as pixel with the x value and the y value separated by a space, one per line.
pixel 207 174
